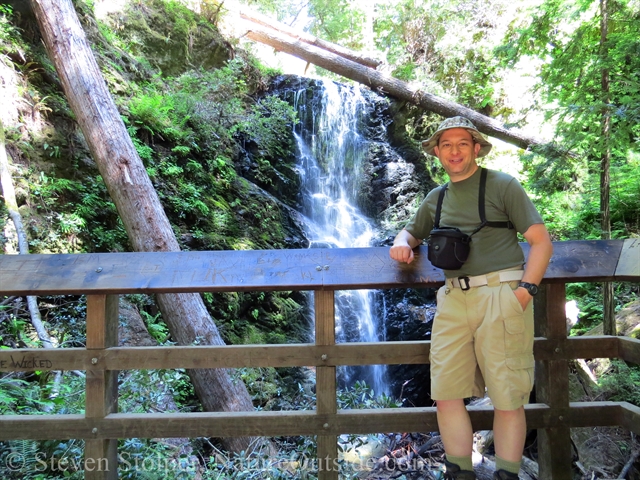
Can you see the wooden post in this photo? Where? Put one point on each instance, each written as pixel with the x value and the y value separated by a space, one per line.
pixel 101 455
pixel 326 401
pixel 552 385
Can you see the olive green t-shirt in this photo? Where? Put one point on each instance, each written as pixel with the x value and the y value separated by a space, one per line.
pixel 492 249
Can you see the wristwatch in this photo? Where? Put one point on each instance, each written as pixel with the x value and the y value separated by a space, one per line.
pixel 532 288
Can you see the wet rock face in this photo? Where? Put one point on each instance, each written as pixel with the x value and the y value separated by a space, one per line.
pixel 395 176
pixel 408 316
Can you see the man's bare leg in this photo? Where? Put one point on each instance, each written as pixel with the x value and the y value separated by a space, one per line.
pixel 455 427
pixel 509 433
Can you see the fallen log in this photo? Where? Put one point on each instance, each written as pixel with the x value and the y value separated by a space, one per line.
pixel 258 19
pixel 394 87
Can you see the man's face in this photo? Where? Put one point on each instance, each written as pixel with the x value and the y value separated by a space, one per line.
pixel 457 153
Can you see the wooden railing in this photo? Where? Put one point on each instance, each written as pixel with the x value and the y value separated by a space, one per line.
pixel 102 277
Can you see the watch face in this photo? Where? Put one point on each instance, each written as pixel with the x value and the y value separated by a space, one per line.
pixel 531 287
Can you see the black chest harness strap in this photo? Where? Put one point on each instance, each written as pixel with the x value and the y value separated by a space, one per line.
pixel 481 207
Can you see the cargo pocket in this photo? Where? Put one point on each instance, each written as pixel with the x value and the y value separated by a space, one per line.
pixel 520 377
pixel 520 362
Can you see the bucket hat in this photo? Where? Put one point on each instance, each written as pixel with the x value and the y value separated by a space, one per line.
pixel 457 122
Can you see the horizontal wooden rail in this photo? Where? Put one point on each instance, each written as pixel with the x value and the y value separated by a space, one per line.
pixel 310 269
pixel 307 422
pixel 296 355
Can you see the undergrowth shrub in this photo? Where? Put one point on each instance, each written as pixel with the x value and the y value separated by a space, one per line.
pixel 620 383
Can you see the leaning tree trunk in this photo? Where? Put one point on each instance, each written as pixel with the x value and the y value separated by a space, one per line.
pixel 391 86
pixel 130 188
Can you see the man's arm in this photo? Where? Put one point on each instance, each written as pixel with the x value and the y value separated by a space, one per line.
pixel 403 245
pixel 540 253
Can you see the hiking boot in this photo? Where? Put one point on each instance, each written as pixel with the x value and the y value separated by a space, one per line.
pixel 504 475
pixel 453 472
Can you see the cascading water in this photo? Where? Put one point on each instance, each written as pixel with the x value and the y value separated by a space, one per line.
pixel 330 162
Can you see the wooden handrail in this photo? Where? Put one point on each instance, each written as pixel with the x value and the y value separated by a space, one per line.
pixel 267 270
pixel 102 277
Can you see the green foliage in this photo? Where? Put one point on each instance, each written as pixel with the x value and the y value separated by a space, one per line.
pixel 8 31
pixel 565 36
pixel 151 111
pixel 144 151
pixel 65 317
pixel 418 42
pixel 33 395
pixel 338 21
pixel 182 19
pixel 588 297
pixel 244 466
pixel 360 396
pixel 262 384
pixel 620 383
pixel 625 198
pixel 74 213
pixel 17 396
pixel 573 211
pixel 269 124
pixel 14 332
pixel 144 391
pixel 155 113
pixel 212 103
pixel 155 326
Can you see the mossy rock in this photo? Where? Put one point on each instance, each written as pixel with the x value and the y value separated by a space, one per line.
pixel 171 37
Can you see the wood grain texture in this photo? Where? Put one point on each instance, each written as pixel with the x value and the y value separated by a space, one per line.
pixel 101 455
pixel 628 268
pixel 290 355
pixel 552 385
pixel 300 269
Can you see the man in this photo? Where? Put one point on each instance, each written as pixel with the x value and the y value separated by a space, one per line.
pixel 483 328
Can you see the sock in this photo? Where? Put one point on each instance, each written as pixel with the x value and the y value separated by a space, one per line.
pixel 464 463
pixel 512 467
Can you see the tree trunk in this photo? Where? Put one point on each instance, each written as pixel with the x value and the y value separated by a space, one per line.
pixel 609 320
pixel 397 88
pixel 129 186
pixel 310 39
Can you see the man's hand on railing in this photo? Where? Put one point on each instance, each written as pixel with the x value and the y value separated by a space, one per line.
pixel 403 245
pixel 402 253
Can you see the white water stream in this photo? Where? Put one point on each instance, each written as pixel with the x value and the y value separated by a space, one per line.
pixel 330 162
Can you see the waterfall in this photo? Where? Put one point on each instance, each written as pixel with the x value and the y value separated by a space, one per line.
pixel 331 150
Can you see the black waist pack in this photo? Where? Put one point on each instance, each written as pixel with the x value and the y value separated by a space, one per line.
pixel 448 248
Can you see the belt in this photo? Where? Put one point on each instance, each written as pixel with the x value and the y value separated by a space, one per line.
pixel 495 278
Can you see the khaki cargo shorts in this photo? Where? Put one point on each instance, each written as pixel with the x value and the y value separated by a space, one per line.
pixel 482 337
